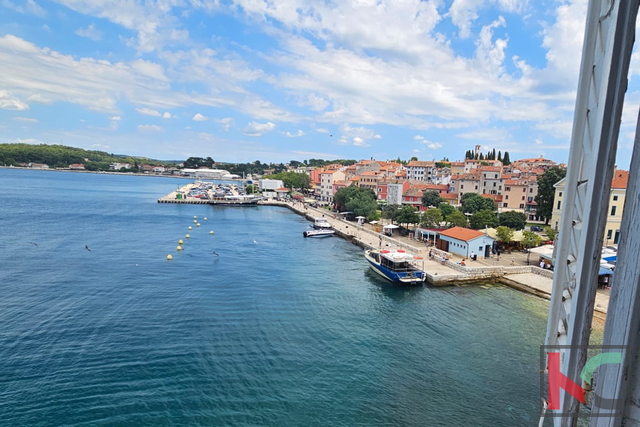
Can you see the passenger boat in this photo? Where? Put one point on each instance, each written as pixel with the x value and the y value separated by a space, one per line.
pixel 319 233
pixel 396 266
pixel 322 224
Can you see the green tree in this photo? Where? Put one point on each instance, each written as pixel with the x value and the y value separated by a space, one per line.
pixel 500 155
pixel 550 232
pixel 546 191
pixel 513 219
pixel 472 203
pixel 446 209
pixel 293 180
pixel 456 219
pixel 484 218
pixel 363 203
pixel 389 211
pixel 432 218
pixel 531 239
pixel 431 198
pixel 252 189
pixel 505 159
pixel 363 199
pixel 504 234
pixel 407 215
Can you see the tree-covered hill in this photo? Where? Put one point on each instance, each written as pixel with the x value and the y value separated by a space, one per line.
pixel 61 156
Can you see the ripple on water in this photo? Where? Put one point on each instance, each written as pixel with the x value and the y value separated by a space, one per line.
pixel 277 330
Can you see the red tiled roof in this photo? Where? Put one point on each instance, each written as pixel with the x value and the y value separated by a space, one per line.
pixel 620 179
pixel 460 233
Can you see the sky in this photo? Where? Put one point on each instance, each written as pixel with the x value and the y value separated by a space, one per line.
pixel 280 80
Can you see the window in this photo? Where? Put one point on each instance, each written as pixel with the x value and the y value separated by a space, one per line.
pixel 506 205
pixel 484 184
pixel 496 176
pixel 559 203
pixel 615 198
pixel 613 210
pixel 506 197
pixel 461 186
pixel 556 227
pixel 524 190
pixel 480 249
pixel 560 194
pixel 494 184
pixel 531 190
pixel 507 188
pixel 476 187
pixel 609 234
pixel 499 187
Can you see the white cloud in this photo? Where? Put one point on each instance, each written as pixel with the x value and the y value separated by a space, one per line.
pixel 167 115
pixel 25 119
pixel 258 129
pixel 418 138
pixel 359 142
pixel 150 128
pixel 295 135
pixel 46 76
pixel 115 118
pixel 148 112
pixel 432 145
pixel 30 6
pixel 199 118
pixel 91 32
pixel 8 102
pixel 226 123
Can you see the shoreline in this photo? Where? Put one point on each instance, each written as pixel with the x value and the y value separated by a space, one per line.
pixel 531 280
pixel 98 172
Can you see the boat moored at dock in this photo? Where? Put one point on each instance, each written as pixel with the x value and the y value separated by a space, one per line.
pixel 319 233
pixel 322 224
pixel 397 266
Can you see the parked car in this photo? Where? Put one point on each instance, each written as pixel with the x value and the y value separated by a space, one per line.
pixel 536 228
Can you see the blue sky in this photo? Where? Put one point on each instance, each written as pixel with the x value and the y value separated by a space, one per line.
pixel 241 80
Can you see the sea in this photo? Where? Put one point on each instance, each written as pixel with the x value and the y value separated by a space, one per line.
pixel 98 328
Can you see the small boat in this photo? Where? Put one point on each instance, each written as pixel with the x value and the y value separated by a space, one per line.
pixel 396 266
pixel 319 233
pixel 322 224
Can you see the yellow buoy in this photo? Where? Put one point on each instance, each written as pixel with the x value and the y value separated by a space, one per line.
pixel 195 217
pixel 211 232
pixel 179 248
pixel 169 257
pixel 189 228
pixel 180 241
pixel 198 225
pixel 187 236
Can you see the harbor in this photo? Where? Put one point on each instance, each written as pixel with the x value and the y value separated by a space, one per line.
pixel 442 268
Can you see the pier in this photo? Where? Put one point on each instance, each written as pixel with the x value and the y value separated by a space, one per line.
pixel 181 196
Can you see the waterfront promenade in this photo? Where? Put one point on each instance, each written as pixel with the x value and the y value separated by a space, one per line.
pixel 512 269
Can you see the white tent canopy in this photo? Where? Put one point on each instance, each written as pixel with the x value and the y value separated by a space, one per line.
pixel 391 226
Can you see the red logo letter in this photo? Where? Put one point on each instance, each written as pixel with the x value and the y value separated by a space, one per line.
pixel 558 380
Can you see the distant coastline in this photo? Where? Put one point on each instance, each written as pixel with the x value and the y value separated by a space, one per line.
pixel 97 172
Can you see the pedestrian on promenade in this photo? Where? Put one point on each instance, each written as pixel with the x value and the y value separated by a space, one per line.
pixel 513 261
pixel 380 245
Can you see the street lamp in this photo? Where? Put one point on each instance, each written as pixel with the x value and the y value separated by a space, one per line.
pixel 529 250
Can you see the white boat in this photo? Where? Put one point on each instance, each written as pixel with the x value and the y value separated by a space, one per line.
pixel 396 266
pixel 319 233
pixel 322 224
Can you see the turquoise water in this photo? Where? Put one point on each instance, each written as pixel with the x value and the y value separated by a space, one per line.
pixel 277 330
